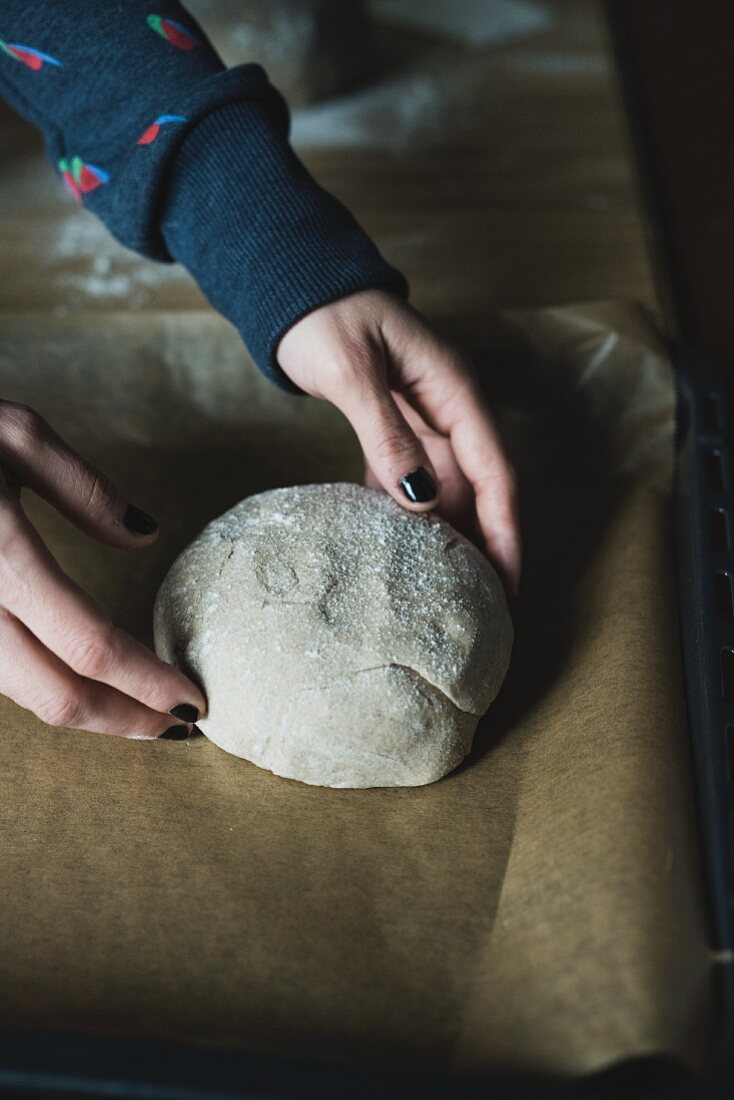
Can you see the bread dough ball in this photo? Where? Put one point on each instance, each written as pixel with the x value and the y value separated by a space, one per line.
pixel 340 640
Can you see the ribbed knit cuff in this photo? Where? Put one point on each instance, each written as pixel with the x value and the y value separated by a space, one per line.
pixel 266 244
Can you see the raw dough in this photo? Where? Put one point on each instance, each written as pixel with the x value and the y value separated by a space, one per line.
pixel 340 640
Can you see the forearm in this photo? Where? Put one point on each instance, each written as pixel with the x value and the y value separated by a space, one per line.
pixel 185 160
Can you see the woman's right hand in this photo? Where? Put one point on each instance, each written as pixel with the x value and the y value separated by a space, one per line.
pixel 60 655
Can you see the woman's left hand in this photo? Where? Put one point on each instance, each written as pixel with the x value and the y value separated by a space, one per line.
pixel 424 425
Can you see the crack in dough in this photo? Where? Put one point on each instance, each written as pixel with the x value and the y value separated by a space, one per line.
pixel 394 664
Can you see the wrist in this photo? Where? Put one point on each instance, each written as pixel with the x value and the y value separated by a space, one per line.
pixel 277 246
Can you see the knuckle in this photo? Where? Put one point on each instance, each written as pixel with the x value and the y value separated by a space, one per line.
pixel 21 428
pixel 393 446
pixel 92 655
pixel 461 377
pixel 459 360
pixel 10 514
pixel 151 689
pixel 353 361
pixel 456 366
pixel 511 481
pixel 341 376
pixel 62 708
pixel 99 495
pixel 501 485
pixel 12 548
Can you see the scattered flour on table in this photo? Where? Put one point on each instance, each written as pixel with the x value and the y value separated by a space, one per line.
pixel 111 272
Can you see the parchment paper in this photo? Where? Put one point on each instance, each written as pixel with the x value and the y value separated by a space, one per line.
pixel 540 907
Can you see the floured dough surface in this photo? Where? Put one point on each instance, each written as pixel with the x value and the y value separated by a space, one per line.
pixel 340 640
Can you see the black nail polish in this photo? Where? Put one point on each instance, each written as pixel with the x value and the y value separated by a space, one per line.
pixel 186 712
pixel 418 487
pixel 175 733
pixel 139 522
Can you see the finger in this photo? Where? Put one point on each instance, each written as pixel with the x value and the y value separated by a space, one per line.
pixel 34 454
pixel 35 590
pixel 391 447
pixel 457 496
pixel 482 459
pixel 440 385
pixel 36 679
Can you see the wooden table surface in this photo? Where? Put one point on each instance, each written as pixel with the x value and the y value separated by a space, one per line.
pixel 496 176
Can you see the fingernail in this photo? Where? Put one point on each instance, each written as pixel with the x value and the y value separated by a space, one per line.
pixel 419 486
pixel 186 712
pixel 175 733
pixel 139 522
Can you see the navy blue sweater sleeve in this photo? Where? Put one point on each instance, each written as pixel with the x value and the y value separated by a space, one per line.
pixel 185 160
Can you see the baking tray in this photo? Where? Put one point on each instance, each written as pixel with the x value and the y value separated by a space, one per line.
pixel 704 533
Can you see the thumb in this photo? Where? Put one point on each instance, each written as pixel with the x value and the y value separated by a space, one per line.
pixel 391 448
pixel 38 458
